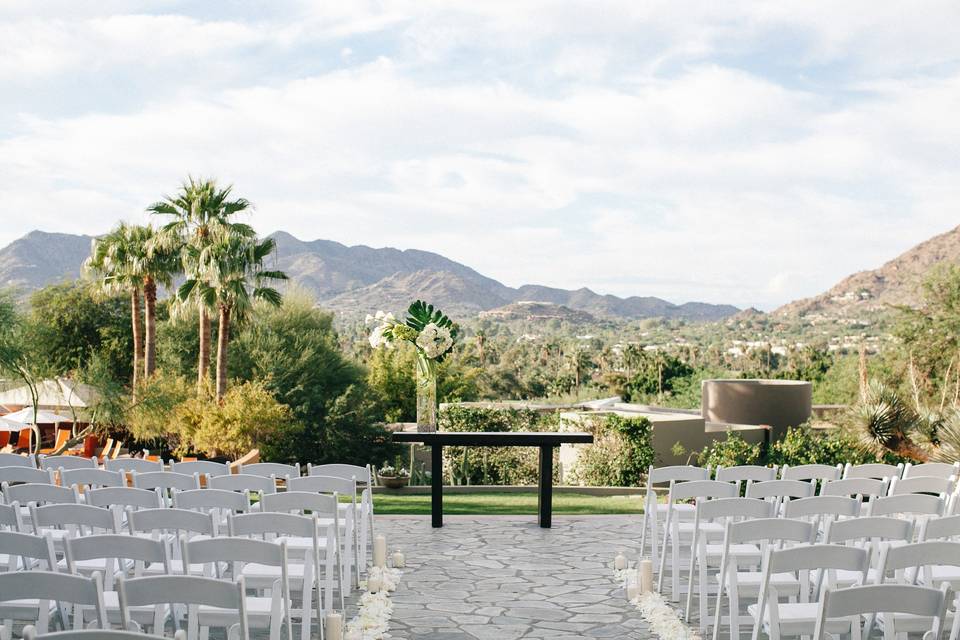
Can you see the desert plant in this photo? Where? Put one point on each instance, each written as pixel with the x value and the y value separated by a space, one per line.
pixel 883 421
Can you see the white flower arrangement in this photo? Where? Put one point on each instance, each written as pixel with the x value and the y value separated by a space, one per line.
pixel 372 621
pixel 665 623
pixel 428 329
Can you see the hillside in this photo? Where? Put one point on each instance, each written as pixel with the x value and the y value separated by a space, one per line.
pixel 896 282
pixel 355 280
pixel 538 311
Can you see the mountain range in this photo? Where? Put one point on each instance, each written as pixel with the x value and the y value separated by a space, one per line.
pixel 359 279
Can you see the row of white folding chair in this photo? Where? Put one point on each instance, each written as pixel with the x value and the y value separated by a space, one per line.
pixel 30 633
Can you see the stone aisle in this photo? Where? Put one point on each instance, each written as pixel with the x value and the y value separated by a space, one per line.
pixel 502 577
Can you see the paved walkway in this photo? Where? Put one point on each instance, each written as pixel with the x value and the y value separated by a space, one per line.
pixel 502 577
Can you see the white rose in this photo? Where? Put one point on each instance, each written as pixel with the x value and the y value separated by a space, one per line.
pixel 376 337
pixel 434 340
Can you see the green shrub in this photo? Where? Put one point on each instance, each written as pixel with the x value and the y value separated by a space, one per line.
pixel 620 454
pixel 804 445
pixel 493 465
pixel 730 452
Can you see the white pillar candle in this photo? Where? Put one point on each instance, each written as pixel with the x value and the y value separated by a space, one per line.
pixel 399 561
pixel 374 584
pixel 645 574
pixel 380 551
pixel 620 562
pixel 633 590
pixel 333 626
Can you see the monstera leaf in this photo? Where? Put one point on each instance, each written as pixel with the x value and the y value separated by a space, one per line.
pixel 420 314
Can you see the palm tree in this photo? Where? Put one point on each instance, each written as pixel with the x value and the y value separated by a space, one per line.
pixel 201 216
pixel 160 263
pixel 231 276
pixel 115 259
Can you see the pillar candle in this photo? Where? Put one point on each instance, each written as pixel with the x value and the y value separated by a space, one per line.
pixel 380 551
pixel 374 584
pixel 645 574
pixel 633 590
pixel 620 562
pixel 399 561
pixel 333 626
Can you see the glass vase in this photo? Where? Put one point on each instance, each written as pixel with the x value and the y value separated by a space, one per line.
pixel 426 394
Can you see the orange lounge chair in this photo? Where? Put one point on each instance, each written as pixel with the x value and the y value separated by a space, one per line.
pixel 62 436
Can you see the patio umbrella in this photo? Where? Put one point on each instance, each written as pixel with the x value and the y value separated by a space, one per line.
pixel 25 417
pixel 9 425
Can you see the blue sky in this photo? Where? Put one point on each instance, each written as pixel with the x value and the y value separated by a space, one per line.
pixel 750 153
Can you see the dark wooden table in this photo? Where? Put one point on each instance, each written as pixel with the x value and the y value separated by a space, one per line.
pixel 547 441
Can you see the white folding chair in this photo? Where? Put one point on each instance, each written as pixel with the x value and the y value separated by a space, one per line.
pixel 202 467
pixel 17 475
pixel 34 595
pixel 17 460
pixel 736 583
pixel 929 563
pixel 912 505
pixel 303 565
pixel 652 508
pixel 328 513
pixel 123 497
pixel 745 474
pixel 350 536
pixel 847 606
pixel 218 502
pixel 673 528
pixel 821 510
pixel 10 520
pixel 363 477
pixel 274 470
pixel 92 634
pixel 27 494
pixel 113 556
pixel 243 482
pixel 877 471
pixel 859 487
pixel 140 465
pixel 90 478
pixel 240 554
pixel 934 469
pixel 56 463
pixel 168 525
pixel 61 521
pixel 777 618
pixel 193 591
pixel 26 551
pixel 163 482
pixel 923 484
pixel 945 528
pixel 866 533
pixel 717 513
pixel 812 472
pixel 776 491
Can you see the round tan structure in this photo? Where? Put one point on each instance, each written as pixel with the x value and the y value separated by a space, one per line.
pixel 777 403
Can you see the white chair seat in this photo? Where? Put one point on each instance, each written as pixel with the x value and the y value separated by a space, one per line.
pixel 711 529
pixel 846 578
pixel 258 613
pixel 744 552
pixel 945 573
pixel 799 618
pixel 299 545
pixel 176 568
pixel 262 576
pixel 749 581
pixel 86 567
pixel 25 609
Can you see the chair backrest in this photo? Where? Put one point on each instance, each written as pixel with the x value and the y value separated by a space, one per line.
pixel 922 484
pixel 171 520
pixel 13 475
pixel 323 484
pixel 300 501
pixel 855 602
pixel 166 480
pixel 142 551
pixel 243 482
pixel 212 499
pixel 835 506
pixel 780 489
pixel 16 460
pixel 271 470
pixel 78 519
pixel 53 586
pixel 94 634
pixel 264 523
pixel 746 473
pixel 701 489
pixel 363 475
pixel 34 493
pixel 123 497
pixel 213 551
pixel 877 470
pixel 869 528
pixel 67 462
pixel 25 545
pixel 940 528
pixel 709 510
pixel 92 478
pixel 909 504
pixel 818 556
pixel 140 465
pixel 10 519
pixel 770 530
pixel 922 555
pixel 812 472
pixel 870 487
pixel 204 467
pixel 190 590
pixel 934 469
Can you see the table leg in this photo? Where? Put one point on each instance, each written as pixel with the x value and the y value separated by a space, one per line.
pixel 545 496
pixel 436 480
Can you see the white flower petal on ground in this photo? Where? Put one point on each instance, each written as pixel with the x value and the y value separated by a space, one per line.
pixel 376 609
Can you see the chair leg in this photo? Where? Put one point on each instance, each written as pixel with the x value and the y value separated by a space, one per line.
pixel 704 588
pixel 675 570
pixel 733 604
pixel 694 563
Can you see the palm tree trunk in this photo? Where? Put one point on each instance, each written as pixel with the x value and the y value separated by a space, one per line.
pixel 203 366
pixel 223 339
pixel 137 337
pixel 150 327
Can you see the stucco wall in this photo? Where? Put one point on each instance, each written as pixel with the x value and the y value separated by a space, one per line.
pixel 777 403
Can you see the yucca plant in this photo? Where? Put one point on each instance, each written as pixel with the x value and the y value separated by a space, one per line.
pixel 884 422
pixel 947 448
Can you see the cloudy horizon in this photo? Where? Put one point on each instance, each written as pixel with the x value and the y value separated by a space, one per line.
pixel 742 153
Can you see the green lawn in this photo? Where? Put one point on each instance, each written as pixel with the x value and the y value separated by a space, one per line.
pixel 506 504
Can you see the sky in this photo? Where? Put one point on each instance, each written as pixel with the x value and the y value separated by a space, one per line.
pixel 735 152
